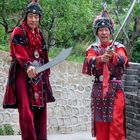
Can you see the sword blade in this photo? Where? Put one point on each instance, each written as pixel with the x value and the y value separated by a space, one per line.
pixel 58 59
pixel 129 12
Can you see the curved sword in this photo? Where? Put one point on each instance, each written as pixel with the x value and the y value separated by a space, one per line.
pixel 58 59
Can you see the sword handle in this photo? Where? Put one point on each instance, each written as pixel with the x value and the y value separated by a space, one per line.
pixel 110 47
pixel 35 70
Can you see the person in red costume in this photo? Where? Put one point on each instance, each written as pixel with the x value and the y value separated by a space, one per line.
pixel 26 90
pixel 106 64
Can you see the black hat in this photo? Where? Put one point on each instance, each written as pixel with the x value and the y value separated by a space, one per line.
pixel 34 7
pixel 104 20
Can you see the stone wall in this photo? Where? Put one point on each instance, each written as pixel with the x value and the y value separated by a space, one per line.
pixel 71 111
pixel 132 96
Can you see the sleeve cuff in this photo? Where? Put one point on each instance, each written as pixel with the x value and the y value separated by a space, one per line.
pixel 96 62
pixel 115 59
pixel 27 64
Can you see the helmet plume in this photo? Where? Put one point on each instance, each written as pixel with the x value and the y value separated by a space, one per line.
pixel 34 1
pixel 104 19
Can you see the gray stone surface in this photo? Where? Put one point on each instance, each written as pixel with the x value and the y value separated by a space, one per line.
pixel 71 111
pixel 76 136
pixel 132 98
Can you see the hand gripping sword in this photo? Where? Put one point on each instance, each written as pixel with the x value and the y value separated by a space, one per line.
pixel 129 12
pixel 106 74
pixel 58 59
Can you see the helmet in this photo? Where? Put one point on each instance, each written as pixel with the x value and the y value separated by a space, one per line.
pixel 33 7
pixel 103 20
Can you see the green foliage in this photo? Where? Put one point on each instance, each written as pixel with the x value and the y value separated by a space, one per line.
pixel 19 132
pixel 136 52
pixel 136 57
pixel 10 12
pixel 75 58
pixel 4 48
pixel 137 9
pixel 1 131
pixel 80 48
pixel 78 52
pixel 54 52
pixel 4 38
pixel 66 23
pixel 8 130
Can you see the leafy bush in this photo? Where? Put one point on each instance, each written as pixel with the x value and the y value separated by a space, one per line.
pixel 4 48
pixel 80 48
pixel 4 38
pixel 1 131
pixel 136 57
pixel 136 51
pixel 78 52
pixel 19 132
pixel 8 130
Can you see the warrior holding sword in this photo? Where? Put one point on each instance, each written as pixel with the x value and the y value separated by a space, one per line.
pixel 27 90
pixel 106 60
pixel 28 86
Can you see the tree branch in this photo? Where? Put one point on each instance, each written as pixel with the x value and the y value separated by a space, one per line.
pixel 136 32
pixel 116 12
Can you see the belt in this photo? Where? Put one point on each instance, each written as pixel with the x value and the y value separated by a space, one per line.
pixel 100 78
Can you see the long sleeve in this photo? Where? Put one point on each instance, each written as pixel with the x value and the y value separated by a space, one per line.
pixel 94 60
pixel 19 48
pixel 120 57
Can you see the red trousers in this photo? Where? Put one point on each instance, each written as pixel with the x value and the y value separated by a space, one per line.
pixel 114 130
pixel 33 124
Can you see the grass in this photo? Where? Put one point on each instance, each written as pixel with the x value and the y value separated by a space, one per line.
pixel 75 58
pixel 72 57
pixel 4 48
pixel 6 129
pixel 77 54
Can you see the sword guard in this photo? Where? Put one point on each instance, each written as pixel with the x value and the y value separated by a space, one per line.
pixel 110 47
pixel 35 71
